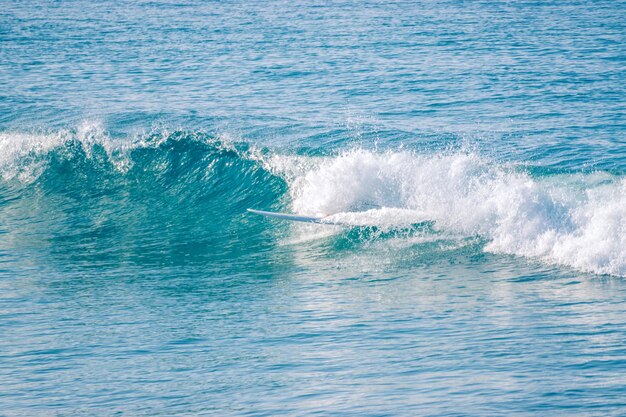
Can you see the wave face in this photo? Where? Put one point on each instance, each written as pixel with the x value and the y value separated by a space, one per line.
pixel 183 195
pixel 158 198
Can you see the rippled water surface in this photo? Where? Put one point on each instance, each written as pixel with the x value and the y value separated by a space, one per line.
pixel 474 151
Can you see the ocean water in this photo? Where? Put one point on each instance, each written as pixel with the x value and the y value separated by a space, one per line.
pixel 476 150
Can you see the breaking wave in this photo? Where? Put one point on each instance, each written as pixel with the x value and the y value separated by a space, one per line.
pixel 577 220
pixel 189 191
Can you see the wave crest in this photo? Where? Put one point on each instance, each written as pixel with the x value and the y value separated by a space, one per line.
pixel 177 187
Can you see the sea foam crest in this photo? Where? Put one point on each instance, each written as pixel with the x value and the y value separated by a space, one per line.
pixel 23 155
pixel 571 219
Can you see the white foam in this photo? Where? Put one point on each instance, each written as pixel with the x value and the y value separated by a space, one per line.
pixel 19 154
pixel 23 156
pixel 575 220
pixel 383 218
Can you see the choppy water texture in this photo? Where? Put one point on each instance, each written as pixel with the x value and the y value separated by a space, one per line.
pixel 477 148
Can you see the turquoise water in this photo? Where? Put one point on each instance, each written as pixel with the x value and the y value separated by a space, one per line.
pixel 476 149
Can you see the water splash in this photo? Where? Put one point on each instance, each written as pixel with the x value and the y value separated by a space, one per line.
pixel 571 219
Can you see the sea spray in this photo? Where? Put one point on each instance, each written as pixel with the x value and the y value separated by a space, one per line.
pixel 571 219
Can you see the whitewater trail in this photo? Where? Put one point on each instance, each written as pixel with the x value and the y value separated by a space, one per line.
pixel 578 220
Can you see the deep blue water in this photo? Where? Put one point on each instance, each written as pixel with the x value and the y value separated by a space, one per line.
pixel 476 150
